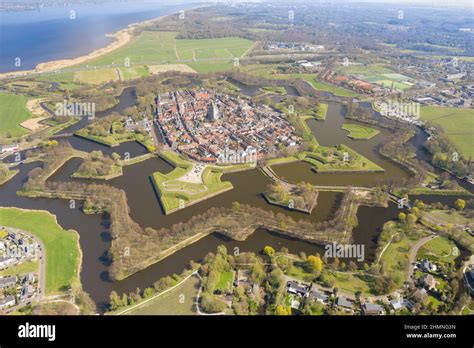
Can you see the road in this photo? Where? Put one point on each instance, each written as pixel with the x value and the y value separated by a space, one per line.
pixel 414 251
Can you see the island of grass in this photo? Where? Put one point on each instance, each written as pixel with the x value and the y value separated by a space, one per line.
pixel 191 182
pixel 98 166
pixel 340 158
pixel 357 131
pixel 273 89
pixel 116 129
pixel 301 197
pixel 61 246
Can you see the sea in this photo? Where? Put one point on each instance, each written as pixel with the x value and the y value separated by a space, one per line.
pixel 28 38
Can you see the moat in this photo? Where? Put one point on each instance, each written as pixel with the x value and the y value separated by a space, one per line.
pixel 248 187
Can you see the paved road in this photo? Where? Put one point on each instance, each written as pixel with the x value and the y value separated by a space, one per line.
pixel 414 252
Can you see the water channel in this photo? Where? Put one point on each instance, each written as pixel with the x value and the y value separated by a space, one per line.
pixel 248 186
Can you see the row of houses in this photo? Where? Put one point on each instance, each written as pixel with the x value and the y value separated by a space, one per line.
pixel 305 291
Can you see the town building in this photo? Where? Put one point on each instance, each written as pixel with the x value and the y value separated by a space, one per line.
pixel 6 282
pixel 7 301
pixel 372 309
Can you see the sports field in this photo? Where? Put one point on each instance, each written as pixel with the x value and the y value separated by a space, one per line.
pixel 13 111
pixel 456 123
pixel 157 48
pixel 380 75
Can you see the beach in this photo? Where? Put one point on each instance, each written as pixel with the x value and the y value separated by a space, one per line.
pixel 121 38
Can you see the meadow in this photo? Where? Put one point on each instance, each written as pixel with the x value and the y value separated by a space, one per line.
pixel 13 111
pixel 161 48
pixel 456 123
pixel 179 301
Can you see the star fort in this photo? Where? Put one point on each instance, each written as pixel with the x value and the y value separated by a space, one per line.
pixel 216 128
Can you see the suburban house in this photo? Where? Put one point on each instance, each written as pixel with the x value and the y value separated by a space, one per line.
pixel 320 297
pixel 429 281
pixel 344 303
pixel 419 294
pixel 7 302
pixel 297 289
pixel 427 266
pixel 398 304
pixel 372 309
pixel 6 282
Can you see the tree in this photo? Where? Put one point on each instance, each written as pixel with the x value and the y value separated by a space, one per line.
pixel 212 303
pixel 236 206
pixel 268 250
pixel 402 217
pixel 280 310
pixel 411 219
pixel 460 204
pixel 148 292
pixel 115 301
pixel 314 263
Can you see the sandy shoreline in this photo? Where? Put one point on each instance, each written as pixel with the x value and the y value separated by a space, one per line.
pixel 122 37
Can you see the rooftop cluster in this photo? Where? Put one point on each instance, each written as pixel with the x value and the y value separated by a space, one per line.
pixel 216 128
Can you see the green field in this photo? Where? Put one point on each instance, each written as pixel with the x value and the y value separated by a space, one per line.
pixel 22 268
pixel 150 47
pixel 439 249
pixel 396 257
pixel 456 123
pixel 380 75
pixel 13 111
pixel 97 76
pixel 62 248
pixel 269 71
pixel 225 281
pixel 179 301
pixel 454 217
pixel 357 131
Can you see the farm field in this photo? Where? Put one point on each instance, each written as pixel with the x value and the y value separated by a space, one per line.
pixel 357 131
pixel 13 111
pixel 456 123
pixel 158 48
pixel 179 301
pixel 98 76
pixel 270 71
pixel 62 248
